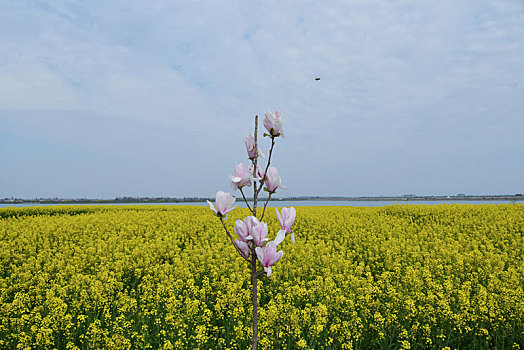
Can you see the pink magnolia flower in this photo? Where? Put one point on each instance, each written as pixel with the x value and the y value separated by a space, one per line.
pixel 250 147
pixel 286 220
pixel 259 234
pixel 224 204
pixel 273 123
pixel 242 231
pixel 273 180
pixel 241 177
pixel 257 231
pixel 268 256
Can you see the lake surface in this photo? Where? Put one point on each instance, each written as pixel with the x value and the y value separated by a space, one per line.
pixel 282 203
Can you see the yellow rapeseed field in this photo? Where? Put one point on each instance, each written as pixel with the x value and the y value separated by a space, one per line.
pixel 167 277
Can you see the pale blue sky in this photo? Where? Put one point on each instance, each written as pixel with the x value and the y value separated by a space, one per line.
pixel 139 98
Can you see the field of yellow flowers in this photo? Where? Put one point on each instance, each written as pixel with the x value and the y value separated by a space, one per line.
pixel 167 277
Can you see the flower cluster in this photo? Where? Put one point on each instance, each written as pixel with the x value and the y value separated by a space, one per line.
pixel 252 233
pixel 425 276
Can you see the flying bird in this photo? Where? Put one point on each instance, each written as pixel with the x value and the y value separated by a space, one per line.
pixel 317 78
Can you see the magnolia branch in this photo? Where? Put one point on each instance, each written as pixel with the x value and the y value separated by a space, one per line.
pixel 267 165
pixel 245 200
pixel 265 204
pixel 252 226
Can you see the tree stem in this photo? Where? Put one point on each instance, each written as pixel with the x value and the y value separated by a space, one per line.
pixel 254 279
pixel 254 275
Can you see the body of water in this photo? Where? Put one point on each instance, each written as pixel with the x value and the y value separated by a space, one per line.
pixel 283 203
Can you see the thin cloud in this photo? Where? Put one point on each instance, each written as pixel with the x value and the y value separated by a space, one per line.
pixel 409 93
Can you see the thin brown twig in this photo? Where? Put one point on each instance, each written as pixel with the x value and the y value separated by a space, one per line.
pixel 265 204
pixel 267 165
pixel 245 200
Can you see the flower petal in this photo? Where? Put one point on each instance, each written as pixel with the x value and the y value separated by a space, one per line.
pixel 280 237
pixel 292 214
pixel 276 258
pixel 260 254
pixel 235 178
pixel 244 248
pixel 268 270
pixel 211 206
pixel 240 229
pixel 230 209
pixel 280 221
